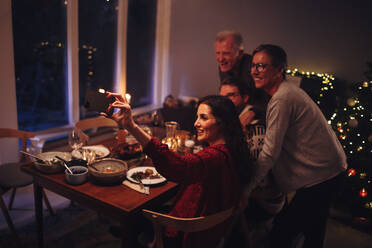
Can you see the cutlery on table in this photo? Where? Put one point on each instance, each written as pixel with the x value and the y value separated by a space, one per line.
pixel 34 156
pixel 142 186
pixel 65 164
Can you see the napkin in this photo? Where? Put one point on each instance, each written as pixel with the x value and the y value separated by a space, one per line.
pixel 137 187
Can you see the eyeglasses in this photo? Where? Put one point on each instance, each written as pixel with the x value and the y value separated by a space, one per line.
pixel 229 95
pixel 259 67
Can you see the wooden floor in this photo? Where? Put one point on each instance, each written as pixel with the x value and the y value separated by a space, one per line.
pixel 337 235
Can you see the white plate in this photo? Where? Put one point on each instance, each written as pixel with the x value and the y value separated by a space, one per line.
pixel 145 181
pixel 100 150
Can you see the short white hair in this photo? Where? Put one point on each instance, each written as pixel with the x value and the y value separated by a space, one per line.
pixel 237 37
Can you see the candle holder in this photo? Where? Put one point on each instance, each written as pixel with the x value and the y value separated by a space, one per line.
pixel 170 135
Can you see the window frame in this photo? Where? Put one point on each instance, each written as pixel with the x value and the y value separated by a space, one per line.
pixel 161 62
pixel 161 56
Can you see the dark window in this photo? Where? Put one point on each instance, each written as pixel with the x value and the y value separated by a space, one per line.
pixel 39 29
pixel 140 50
pixel 97 47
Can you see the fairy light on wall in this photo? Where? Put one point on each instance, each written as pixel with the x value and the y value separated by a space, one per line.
pixel 326 79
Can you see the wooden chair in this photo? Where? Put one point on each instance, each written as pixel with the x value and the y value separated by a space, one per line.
pixel 11 176
pixel 183 224
pixel 95 122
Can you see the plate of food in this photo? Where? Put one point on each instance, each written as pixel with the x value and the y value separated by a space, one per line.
pixel 100 151
pixel 147 174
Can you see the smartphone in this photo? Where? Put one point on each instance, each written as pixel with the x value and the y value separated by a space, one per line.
pixel 96 101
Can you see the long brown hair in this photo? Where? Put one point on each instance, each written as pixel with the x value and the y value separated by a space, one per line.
pixel 224 111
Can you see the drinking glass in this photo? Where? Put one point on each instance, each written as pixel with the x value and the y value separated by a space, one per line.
pixel 36 146
pixel 75 140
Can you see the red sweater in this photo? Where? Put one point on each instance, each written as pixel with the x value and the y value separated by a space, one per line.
pixel 209 184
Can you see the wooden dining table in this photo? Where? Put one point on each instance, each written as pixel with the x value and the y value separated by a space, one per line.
pixel 116 201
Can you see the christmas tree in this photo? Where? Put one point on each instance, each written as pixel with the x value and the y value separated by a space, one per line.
pixel 352 124
pixel 348 111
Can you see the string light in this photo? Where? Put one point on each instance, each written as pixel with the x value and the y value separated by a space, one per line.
pixel 351 172
pixel 363 192
pixel 368 205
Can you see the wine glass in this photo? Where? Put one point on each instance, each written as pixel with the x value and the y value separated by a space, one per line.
pixel 75 140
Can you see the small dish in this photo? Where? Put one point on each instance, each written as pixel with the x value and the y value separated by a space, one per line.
pixel 79 176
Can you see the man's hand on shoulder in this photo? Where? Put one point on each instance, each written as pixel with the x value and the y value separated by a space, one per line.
pixel 246 118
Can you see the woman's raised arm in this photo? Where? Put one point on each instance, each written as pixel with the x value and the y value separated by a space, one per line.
pixel 124 118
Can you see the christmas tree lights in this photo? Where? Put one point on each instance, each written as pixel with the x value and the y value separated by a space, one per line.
pixel 351 121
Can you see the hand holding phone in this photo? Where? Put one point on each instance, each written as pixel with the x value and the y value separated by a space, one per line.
pixel 98 102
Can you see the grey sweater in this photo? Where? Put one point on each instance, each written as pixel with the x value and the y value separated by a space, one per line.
pixel 300 145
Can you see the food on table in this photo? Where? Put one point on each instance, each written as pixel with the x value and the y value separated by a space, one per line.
pixel 48 162
pixel 127 151
pixel 110 170
pixel 147 174
pixel 95 151
pixel 99 153
pixel 126 147
pixel 77 171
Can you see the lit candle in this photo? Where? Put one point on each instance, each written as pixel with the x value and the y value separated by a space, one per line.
pixel 127 97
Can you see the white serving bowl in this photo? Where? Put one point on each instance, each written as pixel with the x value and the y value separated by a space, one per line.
pixel 54 165
pixel 79 176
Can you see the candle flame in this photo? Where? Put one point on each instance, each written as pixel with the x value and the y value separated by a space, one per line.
pixel 128 97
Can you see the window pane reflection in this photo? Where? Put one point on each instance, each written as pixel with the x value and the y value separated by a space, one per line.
pixel 97 47
pixel 39 29
pixel 140 50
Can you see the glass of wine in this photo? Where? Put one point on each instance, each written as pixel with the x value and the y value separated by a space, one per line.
pixel 75 140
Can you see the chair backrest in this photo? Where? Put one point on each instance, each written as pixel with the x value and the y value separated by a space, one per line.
pixel 195 224
pixel 15 133
pixel 95 122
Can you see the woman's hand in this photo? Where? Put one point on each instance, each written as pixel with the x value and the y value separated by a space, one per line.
pixel 124 116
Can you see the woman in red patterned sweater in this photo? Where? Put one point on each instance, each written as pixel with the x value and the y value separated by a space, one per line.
pixel 211 180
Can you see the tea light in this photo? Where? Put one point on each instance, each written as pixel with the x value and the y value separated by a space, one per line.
pixel 170 142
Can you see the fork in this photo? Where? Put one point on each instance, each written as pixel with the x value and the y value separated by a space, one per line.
pixel 142 186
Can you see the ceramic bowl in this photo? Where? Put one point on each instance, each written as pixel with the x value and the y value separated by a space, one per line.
pixel 79 176
pixel 108 170
pixel 54 165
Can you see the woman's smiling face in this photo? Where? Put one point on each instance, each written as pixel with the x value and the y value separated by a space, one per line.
pixel 207 128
